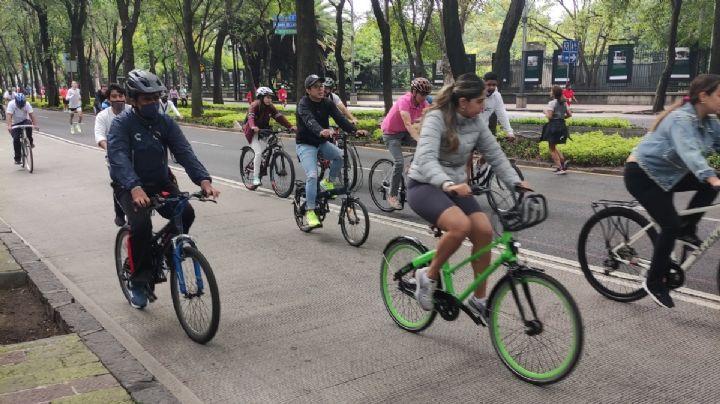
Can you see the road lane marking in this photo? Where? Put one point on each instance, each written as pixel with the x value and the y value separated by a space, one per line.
pixel 207 144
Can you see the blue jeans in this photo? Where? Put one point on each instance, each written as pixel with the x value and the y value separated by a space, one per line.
pixel 308 158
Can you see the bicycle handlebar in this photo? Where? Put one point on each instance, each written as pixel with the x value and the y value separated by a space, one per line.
pixel 163 198
pixel 22 126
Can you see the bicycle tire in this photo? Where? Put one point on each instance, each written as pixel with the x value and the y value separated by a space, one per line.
pixel 402 307
pixel 357 175
pixel 247 167
pixel 122 260
pixel 351 219
pixel 197 332
pixel 630 279
pixel 27 159
pixel 282 177
pixel 379 182
pixel 499 197
pixel 524 353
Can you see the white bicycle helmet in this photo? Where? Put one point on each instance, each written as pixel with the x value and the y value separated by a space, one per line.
pixel 263 91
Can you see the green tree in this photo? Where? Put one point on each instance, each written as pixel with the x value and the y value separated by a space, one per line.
pixel 129 12
pixel 715 52
pixel 384 26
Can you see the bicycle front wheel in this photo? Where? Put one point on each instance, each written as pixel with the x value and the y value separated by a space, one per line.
pixel 27 155
pixel 198 305
pixel 282 174
pixel 247 170
pixel 355 173
pixel 380 181
pixel 500 197
pixel 122 259
pixel 399 294
pixel 354 222
pixel 535 327
pixel 615 254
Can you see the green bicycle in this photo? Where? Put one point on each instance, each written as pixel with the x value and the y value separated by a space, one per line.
pixel 534 323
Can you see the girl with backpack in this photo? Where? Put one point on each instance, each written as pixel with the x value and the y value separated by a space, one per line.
pixel 555 132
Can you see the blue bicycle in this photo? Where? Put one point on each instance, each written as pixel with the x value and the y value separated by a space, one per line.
pixel 193 287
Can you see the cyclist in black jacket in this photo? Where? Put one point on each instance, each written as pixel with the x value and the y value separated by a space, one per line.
pixel 137 150
pixel 313 123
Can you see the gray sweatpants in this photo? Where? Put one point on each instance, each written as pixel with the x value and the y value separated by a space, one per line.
pixel 394 144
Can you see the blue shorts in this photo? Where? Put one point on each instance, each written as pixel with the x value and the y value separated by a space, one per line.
pixel 429 201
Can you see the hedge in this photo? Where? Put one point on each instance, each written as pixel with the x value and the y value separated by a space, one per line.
pixel 590 122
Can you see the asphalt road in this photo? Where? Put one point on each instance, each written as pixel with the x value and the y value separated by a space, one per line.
pixel 569 196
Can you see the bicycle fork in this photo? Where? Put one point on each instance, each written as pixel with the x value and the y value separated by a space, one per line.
pixel 532 326
pixel 179 243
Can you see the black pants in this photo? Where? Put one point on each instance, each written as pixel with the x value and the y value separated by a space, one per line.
pixel 141 226
pixel 17 135
pixel 659 204
pixel 492 124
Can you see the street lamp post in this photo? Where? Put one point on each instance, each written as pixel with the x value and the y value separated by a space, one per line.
pixel 521 99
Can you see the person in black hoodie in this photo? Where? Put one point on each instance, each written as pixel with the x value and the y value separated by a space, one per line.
pixel 313 122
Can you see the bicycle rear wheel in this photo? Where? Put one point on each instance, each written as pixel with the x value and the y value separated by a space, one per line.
pixel 247 167
pixel 27 155
pixel 379 181
pixel 544 347
pixel 616 275
pixel 354 222
pixel 399 294
pixel 282 174
pixel 198 307
pixel 122 259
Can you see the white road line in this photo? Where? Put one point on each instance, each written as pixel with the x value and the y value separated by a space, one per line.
pixel 206 144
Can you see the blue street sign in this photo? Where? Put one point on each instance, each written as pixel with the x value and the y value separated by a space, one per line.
pixel 569 57
pixel 570 46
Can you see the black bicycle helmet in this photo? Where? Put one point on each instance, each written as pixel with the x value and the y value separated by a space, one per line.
pixel 143 82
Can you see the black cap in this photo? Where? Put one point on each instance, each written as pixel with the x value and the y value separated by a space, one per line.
pixel 312 79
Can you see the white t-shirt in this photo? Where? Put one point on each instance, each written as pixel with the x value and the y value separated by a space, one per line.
pixel 103 120
pixel 19 114
pixel 494 103
pixel 73 96
pixel 335 99
pixel 163 109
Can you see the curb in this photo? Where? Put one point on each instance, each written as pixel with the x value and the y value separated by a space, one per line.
pixel 71 316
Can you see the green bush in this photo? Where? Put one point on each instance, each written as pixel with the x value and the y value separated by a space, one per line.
pixel 228 121
pixel 376 135
pixel 594 149
pixel 714 161
pixel 590 122
pixel 367 124
pixel 369 114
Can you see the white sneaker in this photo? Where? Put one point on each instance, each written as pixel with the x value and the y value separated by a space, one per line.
pixel 72 129
pixel 256 182
pixel 78 128
pixel 394 202
pixel 479 308
pixel 425 289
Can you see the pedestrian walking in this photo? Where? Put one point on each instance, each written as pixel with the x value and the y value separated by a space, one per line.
pixel 555 131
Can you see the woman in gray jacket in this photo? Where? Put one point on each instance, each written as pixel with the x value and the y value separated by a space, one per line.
pixel 437 187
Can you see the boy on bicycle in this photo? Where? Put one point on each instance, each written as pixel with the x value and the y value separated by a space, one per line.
pixel 399 129
pixel 259 114
pixel 137 150
pixel 329 93
pixel 313 122
pixel 18 111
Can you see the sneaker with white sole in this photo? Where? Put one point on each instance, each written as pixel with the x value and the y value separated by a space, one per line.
pixel 138 295
pixel 659 294
pixel 394 202
pixel 72 129
pixel 256 182
pixel 425 289
pixel 479 308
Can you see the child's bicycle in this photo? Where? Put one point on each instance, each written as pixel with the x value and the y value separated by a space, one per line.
pixel 616 245
pixel 282 170
pixel 534 323
pixel 193 287
pixel 26 149
pixel 353 216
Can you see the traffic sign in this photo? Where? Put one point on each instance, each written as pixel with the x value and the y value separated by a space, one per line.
pixel 569 57
pixel 570 45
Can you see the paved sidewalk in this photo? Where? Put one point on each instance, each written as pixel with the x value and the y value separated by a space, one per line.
pixel 59 369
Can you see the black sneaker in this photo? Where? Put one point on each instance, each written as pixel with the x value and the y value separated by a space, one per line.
pixel 119 221
pixel 691 238
pixel 559 171
pixel 660 295
pixel 565 165
pixel 18 162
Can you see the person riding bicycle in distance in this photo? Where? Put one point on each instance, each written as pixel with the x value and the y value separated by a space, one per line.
pixel 259 114
pixel 399 129
pixel 313 122
pixel 330 93
pixel 438 189
pixel 137 150
pixel 672 158
pixel 20 112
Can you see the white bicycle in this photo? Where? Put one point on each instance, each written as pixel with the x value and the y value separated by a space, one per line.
pixel 26 149
pixel 616 245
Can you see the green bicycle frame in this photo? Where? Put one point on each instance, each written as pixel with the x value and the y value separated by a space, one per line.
pixel 448 270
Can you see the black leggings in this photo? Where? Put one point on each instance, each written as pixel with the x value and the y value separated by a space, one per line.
pixel 659 204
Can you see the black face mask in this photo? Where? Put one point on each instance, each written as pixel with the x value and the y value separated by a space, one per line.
pixel 117 106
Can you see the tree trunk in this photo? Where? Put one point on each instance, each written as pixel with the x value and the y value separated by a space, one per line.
pixel 51 90
pixel 501 61
pixel 307 49
pixel 249 79
pixel 453 39
pixel 715 51
pixel 338 51
pixel 77 15
pixel 193 58
pixel 179 65
pixel 387 54
pixel 659 104
pixel 217 65
pixel 129 24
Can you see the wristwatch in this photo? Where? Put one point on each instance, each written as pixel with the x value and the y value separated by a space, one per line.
pixel 446 185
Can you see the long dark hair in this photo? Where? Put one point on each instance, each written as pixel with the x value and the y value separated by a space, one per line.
pixel 704 83
pixel 557 93
pixel 468 86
